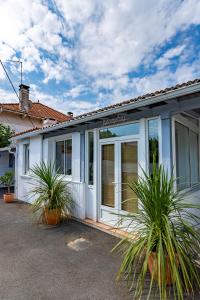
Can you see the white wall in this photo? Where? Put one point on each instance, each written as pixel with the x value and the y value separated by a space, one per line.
pixel 17 122
pixel 45 150
pixel 24 181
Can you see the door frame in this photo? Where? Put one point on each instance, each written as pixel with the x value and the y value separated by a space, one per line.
pixel 117 141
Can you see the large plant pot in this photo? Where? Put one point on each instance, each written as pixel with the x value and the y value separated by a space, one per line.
pixel 52 216
pixel 153 267
pixel 8 197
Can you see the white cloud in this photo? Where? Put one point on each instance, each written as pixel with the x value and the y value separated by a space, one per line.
pixel 164 60
pixel 94 45
pixel 63 104
pixel 76 91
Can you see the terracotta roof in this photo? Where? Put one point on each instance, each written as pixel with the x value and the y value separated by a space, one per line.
pixel 38 110
pixel 127 102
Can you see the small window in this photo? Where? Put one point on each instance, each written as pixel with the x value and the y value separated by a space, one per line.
pixel 90 158
pixel 117 131
pixel 26 159
pixel 64 157
pixel 153 143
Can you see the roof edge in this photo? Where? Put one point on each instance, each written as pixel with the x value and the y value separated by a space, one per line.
pixel 178 92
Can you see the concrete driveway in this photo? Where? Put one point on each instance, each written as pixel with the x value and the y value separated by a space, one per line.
pixel 71 261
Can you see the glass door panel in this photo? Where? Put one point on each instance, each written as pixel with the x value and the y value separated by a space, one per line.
pixel 108 175
pixel 129 173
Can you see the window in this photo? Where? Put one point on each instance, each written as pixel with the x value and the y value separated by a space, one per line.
pixel 90 158
pixel 64 157
pixel 26 159
pixel 123 130
pixel 11 160
pixel 187 160
pixel 153 143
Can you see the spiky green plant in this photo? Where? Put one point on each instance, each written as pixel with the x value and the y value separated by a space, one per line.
pixel 49 189
pixel 166 225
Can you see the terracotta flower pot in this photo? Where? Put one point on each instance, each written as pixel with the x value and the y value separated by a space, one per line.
pixel 52 216
pixel 8 197
pixel 153 267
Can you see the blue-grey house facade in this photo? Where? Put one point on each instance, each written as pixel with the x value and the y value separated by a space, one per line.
pixel 100 152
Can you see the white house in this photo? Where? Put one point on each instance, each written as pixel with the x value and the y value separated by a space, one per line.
pixel 21 116
pixel 100 151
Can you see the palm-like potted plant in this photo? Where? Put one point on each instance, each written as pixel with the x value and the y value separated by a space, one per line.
pixel 51 193
pixel 7 180
pixel 163 238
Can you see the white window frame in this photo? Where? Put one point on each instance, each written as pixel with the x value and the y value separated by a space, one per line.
pixel 25 162
pixel 159 141
pixel 87 158
pixel 191 126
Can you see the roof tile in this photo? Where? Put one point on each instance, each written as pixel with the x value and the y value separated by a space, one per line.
pixel 37 110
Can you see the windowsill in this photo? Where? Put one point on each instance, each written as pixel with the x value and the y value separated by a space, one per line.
pixel 26 176
pixel 66 177
pixel 191 189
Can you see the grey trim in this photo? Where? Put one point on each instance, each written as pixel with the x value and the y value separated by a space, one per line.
pixel 116 110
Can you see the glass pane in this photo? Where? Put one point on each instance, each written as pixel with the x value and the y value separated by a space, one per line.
pixel 194 157
pixel 107 176
pixel 129 173
pixel 90 157
pixel 124 130
pixel 153 143
pixel 68 157
pixel 182 156
pixel 26 158
pixel 60 153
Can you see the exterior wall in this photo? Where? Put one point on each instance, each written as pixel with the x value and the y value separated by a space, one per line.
pixel 44 150
pixel 24 181
pixel 87 197
pixel 17 122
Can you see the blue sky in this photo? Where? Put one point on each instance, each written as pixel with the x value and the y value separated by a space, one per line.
pixel 79 55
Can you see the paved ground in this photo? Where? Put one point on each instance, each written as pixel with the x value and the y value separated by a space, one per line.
pixel 71 261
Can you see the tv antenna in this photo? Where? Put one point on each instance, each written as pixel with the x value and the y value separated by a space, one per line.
pixel 21 72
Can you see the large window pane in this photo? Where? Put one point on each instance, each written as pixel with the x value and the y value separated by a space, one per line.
pixel 60 153
pixel 107 175
pixel 90 157
pixel 129 173
pixel 182 156
pixel 194 157
pixel 153 143
pixel 123 130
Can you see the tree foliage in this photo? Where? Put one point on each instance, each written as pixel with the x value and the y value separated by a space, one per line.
pixel 5 134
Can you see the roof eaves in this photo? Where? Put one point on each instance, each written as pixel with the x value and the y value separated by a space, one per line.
pixel 155 98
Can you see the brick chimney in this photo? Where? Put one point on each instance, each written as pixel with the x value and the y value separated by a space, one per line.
pixel 24 103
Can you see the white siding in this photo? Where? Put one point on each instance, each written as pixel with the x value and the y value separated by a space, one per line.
pixel 24 181
pixel 76 163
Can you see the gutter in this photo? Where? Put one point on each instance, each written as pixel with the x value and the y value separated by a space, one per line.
pixel 139 103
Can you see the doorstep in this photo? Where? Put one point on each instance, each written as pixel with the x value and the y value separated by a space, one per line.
pixel 104 227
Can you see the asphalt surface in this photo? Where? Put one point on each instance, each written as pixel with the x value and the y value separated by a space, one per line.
pixel 70 261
